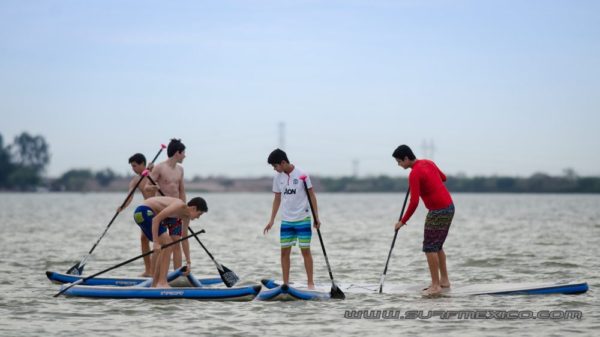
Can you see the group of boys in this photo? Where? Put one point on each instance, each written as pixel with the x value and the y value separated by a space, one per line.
pixel 164 216
pixel 167 217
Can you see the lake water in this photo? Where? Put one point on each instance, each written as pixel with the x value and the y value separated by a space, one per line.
pixel 494 238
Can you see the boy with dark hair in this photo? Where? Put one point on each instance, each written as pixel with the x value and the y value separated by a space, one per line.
pixel 168 176
pixel 426 181
pixel 138 165
pixel 151 216
pixel 295 226
pixel 175 145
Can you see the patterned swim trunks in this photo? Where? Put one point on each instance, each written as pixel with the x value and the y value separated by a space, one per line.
pixel 174 225
pixel 292 231
pixel 437 225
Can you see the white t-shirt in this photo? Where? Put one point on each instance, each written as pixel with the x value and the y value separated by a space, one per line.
pixel 294 201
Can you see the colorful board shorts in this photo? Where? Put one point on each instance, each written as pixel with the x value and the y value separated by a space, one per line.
pixel 174 225
pixel 292 231
pixel 143 217
pixel 437 224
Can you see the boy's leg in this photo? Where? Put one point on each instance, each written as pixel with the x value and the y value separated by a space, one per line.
pixel 285 264
pixel 162 263
pixel 304 231
pixel 444 280
pixel 145 245
pixel 308 265
pixel 433 262
pixel 175 227
pixel 177 255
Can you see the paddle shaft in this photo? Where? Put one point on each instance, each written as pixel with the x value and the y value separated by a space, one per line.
pixel 318 231
pixel 200 242
pixel 117 212
pixel 393 242
pixel 125 262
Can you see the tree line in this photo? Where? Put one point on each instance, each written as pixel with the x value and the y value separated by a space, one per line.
pixel 24 161
pixel 536 183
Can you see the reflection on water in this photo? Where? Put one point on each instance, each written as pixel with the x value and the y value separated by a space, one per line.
pixel 494 238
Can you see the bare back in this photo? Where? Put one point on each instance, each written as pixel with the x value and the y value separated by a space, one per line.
pixel 170 179
pixel 158 204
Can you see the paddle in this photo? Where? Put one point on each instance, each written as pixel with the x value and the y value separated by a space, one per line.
pixel 77 269
pixel 336 292
pixel 393 242
pixel 123 263
pixel 228 276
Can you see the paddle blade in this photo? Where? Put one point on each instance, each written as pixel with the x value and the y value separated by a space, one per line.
pixel 77 269
pixel 228 276
pixel 337 293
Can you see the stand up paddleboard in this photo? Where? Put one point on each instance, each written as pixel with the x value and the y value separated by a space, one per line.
pixel 476 289
pixel 60 278
pixel 141 290
pixel 283 292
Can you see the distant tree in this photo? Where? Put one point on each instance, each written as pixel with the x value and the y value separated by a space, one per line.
pixel 6 166
pixel 23 162
pixel 31 152
pixel 105 177
pixel 74 180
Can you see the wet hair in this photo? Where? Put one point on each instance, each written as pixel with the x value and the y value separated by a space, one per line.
pixel 277 156
pixel 175 145
pixel 199 203
pixel 403 151
pixel 137 158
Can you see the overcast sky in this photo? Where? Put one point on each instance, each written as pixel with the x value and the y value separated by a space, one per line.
pixel 498 87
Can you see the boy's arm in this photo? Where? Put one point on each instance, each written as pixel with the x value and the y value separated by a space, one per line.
pixel 186 245
pixel 173 208
pixel 274 209
pixel 155 175
pixel 182 195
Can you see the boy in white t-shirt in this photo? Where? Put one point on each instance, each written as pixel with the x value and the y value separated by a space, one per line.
pixel 295 212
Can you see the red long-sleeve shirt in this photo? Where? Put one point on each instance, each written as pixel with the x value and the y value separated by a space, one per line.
pixel 426 180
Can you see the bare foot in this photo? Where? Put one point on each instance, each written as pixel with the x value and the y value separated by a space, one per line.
pixel 445 284
pixel 431 291
pixel 146 274
pixel 162 285
pixel 311 286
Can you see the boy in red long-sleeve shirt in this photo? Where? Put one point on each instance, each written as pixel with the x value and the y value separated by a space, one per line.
pixel 426 181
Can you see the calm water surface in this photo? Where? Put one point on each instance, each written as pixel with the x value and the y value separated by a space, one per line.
pixel 493 239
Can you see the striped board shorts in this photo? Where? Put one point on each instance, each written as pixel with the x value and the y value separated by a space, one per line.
pixel 437 224
pixel 292 231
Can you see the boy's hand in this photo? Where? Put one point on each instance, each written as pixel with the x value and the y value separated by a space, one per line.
pixel 317 224
pixel 398 225
pixel 156 247
pixel 268 227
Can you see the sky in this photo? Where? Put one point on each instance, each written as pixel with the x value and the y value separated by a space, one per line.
pixel 498 87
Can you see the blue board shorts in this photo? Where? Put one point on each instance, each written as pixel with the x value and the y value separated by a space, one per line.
pixel 143 216
pixel 292 231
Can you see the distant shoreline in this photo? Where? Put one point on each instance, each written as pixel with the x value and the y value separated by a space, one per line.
pixel 536 184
